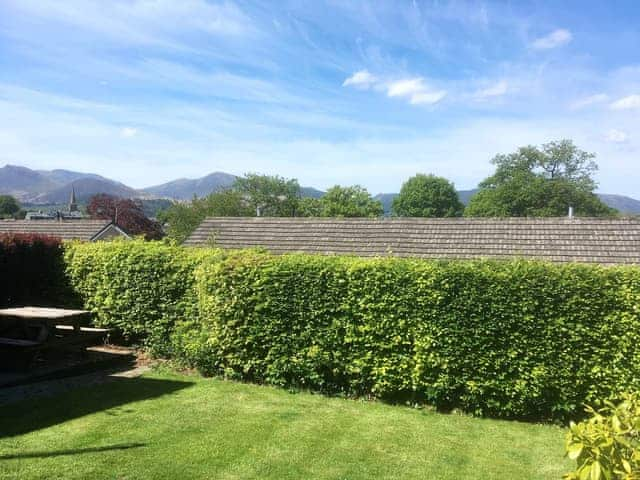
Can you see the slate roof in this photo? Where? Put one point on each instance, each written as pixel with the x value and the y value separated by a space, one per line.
pixel 589 240
pixel 83 229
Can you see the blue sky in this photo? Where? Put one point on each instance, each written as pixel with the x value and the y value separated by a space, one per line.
pixel 329 92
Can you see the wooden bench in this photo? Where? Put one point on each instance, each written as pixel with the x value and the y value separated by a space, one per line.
pixel 85 330
pixel 68 336
pixel 28 330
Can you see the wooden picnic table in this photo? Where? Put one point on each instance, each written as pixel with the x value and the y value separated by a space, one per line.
pixel 38 324
pixel 26 330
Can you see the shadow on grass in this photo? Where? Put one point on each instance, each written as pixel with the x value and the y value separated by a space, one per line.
pixel 38 413
pixel 72 451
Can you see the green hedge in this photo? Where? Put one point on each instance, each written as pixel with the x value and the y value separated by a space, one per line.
pixel 510 339
pixel 31 271
pixel 138 288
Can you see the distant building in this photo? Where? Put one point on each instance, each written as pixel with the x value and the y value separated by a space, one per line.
pixel 73 205
pixel 40 215
pixel 72 212
pixel 77 229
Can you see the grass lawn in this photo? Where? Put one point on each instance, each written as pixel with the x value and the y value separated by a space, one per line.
pixel 168 426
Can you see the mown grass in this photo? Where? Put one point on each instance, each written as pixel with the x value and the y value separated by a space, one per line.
pixel 169 426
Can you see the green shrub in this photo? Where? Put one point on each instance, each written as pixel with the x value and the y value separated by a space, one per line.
pixel 139 288
pixel 607 445
pixel 510 339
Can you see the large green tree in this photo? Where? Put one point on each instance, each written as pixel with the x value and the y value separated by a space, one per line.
pixel 427 196
pixel 338 201
pixel 310 207
pixel 183 218
pixel 271 196
pixel 540 182
pixel 9 206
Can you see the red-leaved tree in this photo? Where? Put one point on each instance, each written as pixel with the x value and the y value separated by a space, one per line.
pixel 125 213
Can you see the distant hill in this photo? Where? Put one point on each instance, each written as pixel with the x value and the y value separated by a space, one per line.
pixel 46 187
pixel 54 186
pixel 185 188
pixel 86 188
pixel 386 199
pixel 67 176
pixel 623 204
pixel 22 182
pixel 465 195
pixel 311 192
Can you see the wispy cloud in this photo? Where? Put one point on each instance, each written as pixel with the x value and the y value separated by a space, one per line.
pixel 616 136
pixel 361 79
pixel 590 100
pixel 427 98
pixel 406 87
pixel 128 132
pixel 557 38
pixel 414 90
pixel 140 21
pixel 495 90
pixel 627 103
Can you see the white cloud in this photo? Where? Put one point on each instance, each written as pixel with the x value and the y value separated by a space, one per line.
pixel 415 90
pixel 427 98
pixel 616 136
pixel 496 90
pixel 627 103
pixel 590 100
pixel 128 132
pixel 407 87
pixel 361 79
pixel 555 39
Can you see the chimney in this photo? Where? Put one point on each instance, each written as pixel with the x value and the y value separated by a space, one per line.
pixel 570 212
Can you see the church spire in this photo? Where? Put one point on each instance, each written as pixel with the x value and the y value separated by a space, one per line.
pixel 73 206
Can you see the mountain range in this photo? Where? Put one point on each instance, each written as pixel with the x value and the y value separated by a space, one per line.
pixel 46 187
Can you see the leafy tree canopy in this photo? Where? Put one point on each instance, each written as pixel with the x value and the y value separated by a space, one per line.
pixel 183 218
pixel 353 201
pixel 272 196
pixel 126 213
pixel 310 207
pixel 427 196
pixel 9 206
pixel 540 182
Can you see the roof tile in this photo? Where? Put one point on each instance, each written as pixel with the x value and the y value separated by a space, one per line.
pixel 590 240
